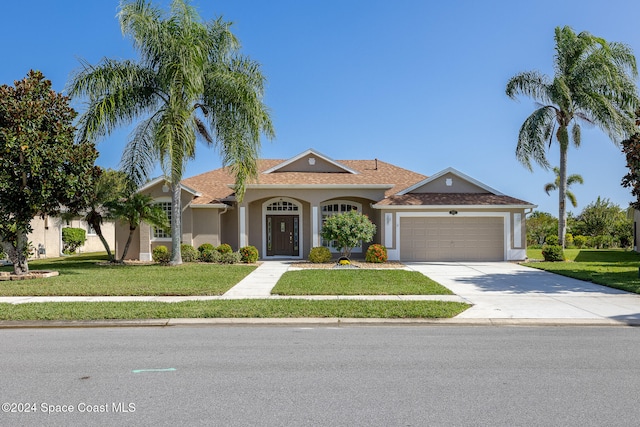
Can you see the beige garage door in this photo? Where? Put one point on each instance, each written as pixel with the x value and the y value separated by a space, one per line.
pixel 452 239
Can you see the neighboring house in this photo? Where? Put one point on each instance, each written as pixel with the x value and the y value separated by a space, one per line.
pixel 46 237
pixel 636 238
pixel 447 217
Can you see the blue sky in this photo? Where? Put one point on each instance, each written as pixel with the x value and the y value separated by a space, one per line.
pixel 416 83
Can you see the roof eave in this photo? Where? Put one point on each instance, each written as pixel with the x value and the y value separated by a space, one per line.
pixel 417 207
pixel 317 186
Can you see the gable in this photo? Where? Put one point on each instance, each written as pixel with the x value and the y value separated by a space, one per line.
pixel 449 183
pixel 310 161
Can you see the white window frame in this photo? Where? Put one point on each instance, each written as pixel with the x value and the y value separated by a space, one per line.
pixel 164 237
pixel 323 215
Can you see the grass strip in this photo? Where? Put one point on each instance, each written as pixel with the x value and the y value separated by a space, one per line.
pixel 231 309
pixel 357 282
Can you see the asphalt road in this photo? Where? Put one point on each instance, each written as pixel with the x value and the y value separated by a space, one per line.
pixel 292 376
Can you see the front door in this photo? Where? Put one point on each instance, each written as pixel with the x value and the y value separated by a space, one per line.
pixel 282 235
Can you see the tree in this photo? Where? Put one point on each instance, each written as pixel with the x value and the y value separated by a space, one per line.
pixel 134 210
pixel 602 218
pixel 348 230
pixel 108 187
pixel 191 82
pixel 42 169
pixel 593 83
pixel 539 226
pixel 571 179
pixel 631 150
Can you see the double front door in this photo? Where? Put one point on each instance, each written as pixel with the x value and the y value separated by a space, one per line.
pixel 282 235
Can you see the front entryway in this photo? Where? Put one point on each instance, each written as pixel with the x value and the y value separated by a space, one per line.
pixel 283 235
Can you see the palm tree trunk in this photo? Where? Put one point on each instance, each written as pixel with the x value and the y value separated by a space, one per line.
pixel 562 196
pixel 176 224
pixel 98 229
pixel 126 246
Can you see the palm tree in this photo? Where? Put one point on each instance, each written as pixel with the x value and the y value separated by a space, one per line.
pixel 191 82
pixel 593 83
pixel 571 179
pixel 134 210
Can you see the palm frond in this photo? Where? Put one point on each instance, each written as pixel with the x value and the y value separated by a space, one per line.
pixel 141 154
pixel 532 84
pixel 534 133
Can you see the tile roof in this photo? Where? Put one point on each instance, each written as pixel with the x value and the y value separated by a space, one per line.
pixel 451 199
pixel 213 185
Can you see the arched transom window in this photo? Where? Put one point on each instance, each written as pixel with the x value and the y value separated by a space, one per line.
pixel 282 206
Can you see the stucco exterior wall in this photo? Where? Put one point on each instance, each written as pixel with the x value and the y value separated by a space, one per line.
pixel 458 185
pixel 47 236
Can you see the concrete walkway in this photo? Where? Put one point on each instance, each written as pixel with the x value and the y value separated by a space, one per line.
pixel 260 282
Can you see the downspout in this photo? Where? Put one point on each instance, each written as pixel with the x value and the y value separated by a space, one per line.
pixel 220 224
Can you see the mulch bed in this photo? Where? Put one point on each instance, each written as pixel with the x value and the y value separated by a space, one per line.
pixel 358 264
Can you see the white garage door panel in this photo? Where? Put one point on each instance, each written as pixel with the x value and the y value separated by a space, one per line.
pixel 452 239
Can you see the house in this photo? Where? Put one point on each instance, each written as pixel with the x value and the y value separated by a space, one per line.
pixel 45 238
pixel 448 216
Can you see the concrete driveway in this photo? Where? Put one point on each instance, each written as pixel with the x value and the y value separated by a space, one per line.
pixel 503 290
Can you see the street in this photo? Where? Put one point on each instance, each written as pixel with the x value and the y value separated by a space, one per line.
pixel 294 376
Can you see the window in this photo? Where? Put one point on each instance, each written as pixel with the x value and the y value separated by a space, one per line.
pixel 90 230
pixel 282 206
pixel 159 233
pixel 334 208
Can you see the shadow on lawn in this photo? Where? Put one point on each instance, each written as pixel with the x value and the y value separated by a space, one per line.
pixel 602 256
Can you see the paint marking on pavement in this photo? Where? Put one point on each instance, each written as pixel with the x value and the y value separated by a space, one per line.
pixel 139 371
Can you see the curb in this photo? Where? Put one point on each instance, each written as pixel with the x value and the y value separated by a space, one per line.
pixel 321 322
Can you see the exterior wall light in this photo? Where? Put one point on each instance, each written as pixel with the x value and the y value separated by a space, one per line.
pixel 453 212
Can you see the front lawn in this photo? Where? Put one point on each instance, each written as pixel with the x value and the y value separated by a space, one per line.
pixel 81 275
pixel 357 282
pixel 616 268
pixel 249 308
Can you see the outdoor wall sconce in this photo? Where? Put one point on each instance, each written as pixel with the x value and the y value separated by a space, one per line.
pixel 453 212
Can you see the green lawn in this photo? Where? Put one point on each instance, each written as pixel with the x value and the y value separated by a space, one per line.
pixel 357 282
pixel 81 275
pixel 614 268
pixel 259 308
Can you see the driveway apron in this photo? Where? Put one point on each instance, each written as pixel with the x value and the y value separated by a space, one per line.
pixel 509 290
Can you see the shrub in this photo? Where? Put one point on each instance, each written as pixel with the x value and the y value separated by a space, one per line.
pixel 568 240
pixel 553 253
pixel 376 253
pixel 249 254
pixel 320 254
pixel 209 255
pixel 552 240
pixel 72 239
pixel 229 258
pixel 579 241
pixel 189 253
pixel 205 246
pixel 224 248
pixel 161 254
pixel 348 230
